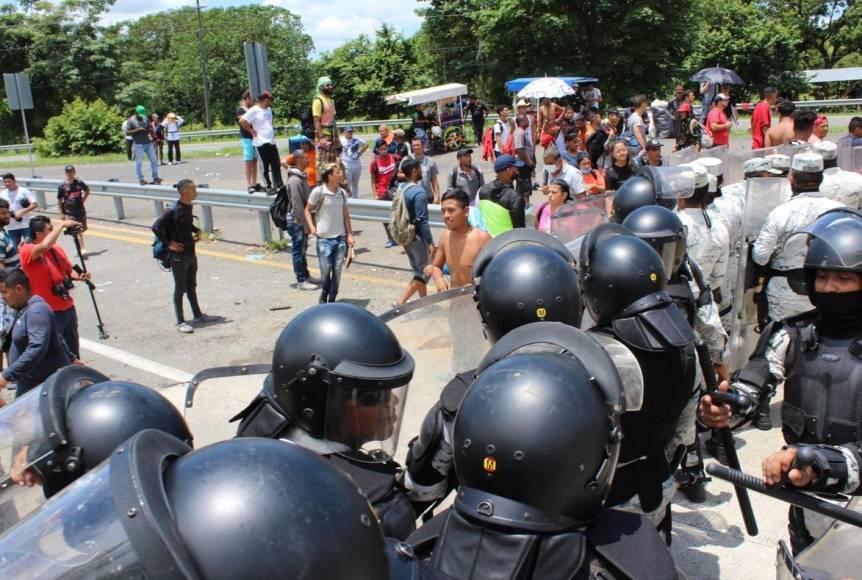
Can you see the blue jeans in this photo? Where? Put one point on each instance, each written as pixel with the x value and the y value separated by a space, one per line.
pixel 147 149
pixel 67 327
pixel 331 253
pixel 299 246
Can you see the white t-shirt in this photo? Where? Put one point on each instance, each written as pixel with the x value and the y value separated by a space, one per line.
pixel 501 133
pixel 569 174
pixel 15 198
pixel 261 121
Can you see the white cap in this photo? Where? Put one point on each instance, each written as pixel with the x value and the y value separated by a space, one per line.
pixel 779 161
pixel 712 164
pixel 807 162
pixel 842 186
pixel 759 165
pixel 827 149
pixel 701 173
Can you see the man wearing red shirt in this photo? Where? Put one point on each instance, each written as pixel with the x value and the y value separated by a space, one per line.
pixel 761 118
pixel 49 271
pixel 717 121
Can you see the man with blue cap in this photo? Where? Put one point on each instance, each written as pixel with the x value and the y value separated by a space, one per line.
pixel 501 206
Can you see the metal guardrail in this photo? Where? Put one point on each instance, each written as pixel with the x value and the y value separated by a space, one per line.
pixel 829 103
pixel 360 209
pixel 21 147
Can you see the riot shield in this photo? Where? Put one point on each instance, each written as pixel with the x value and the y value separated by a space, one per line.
pixel 734 165
pixel 684 155
pixel 762 196
pixel 214 396
pixel 443 333
pixel 573 220
pixel 849 157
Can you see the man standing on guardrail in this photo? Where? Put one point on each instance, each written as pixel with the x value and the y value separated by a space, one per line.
pixel 258 122
pixel 326 138
pixel 138 127
pixel 249 155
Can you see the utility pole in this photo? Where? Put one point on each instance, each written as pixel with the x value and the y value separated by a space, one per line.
pixel 207 117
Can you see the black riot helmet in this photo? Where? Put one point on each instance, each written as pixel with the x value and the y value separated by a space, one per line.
pixel 525 276
pixel 243 508
pixel 332 365
pixel 621 275
pixel 835 243
pixel 635 192
pixel 662 229
pixel 75 420
pixel 535 444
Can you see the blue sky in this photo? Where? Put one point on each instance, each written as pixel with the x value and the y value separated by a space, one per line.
pixel 329 23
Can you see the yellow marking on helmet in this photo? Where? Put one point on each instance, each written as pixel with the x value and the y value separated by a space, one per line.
pixel 541 313
pixel 489 464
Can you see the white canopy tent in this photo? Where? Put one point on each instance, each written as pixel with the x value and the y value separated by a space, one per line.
pixel 429 95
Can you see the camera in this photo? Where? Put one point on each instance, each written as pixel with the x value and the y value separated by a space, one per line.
pixel 24 203
pixel 62 289
pixel 73 230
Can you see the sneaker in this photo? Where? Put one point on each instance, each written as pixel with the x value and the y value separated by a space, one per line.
pixel 259 187
pixel 185 328
pixel 307 285
pixel 205 318
pixel 142 182
pixel 762 421
pixel 314 280
pixel 390 244
pixel 271 191
pixel 252 189
pixel 322 298
pixel 157 180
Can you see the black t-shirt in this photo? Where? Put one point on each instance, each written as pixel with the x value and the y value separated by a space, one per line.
pixel 240 111
pixel 419 120
pixel 478 112
pixel 615 176
pixel 70 196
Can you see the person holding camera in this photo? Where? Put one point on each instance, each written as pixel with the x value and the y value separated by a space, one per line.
pixel 52 276
pixel 21 203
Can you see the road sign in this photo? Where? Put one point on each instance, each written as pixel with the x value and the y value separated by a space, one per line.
pixel 18 91
pixel 257 65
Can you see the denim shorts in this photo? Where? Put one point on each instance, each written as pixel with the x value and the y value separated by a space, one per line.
pixel 417 253
pixel 248 152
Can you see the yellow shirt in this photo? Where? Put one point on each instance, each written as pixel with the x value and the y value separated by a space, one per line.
pixel 324 107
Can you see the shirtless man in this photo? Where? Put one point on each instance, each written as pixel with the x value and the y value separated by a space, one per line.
pixel 459 244
pixel 782 132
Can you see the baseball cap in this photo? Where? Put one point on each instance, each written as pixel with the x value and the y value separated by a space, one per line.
pixel 265 95
pixel 780 161
pixel 141 110
pixel 348 128
pixel 463 151
pixel 701 174
pixel 759 165
pixel 522 103
pixel 69 168
pixel 505 162
pixel 807 163
pixel 712 164
pixel 653 144
pixel 827 149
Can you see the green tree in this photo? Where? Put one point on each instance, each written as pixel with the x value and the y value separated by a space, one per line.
pixel 365 72
pixel 828 30
pixel 83 128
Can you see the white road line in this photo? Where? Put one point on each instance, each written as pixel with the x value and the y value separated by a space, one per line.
pixel 136 361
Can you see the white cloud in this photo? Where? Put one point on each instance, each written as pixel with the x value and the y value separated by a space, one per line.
pixel 329 24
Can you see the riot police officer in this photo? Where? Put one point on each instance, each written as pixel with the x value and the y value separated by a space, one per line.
pixel 664 231
pixel 655 185
pixel 535 444
pixel 624 285
pixel 522 276
pixel 67 426
pixel 243 508
pixel 818 356
pixel 338 387
pixel 776 246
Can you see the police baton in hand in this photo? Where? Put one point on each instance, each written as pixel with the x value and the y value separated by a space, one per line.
pixel 797 498
pixel 727 442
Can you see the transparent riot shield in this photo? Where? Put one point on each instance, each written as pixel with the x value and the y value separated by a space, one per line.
pixel 762 196
pixel 849 157
pixel 734 165
pixel 573 220
pixel 215 396
pixel 684 155
pixel 443 333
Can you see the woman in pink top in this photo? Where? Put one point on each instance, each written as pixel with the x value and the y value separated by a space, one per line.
pixel 558 195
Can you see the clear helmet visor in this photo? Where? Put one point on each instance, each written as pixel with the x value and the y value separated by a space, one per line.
pixel 573 220
pixel 671 253
pixel 671 183
pixel 78 534
pixel 365 419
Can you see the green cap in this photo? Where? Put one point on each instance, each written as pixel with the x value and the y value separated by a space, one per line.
pixel 323 81
pixel 141 110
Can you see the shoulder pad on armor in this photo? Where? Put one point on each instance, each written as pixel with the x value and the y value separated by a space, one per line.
pixel 453 392
pixel 655 330
pixel 631 544
pixel 261 418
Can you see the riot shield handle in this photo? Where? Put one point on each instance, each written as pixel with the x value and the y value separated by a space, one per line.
pixel 727 442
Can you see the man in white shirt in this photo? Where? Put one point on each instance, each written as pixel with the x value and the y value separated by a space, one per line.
pixel 258 122
pixel 557 168
pixel 21 204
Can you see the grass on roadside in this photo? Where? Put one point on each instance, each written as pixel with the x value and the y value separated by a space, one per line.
pixel 108 158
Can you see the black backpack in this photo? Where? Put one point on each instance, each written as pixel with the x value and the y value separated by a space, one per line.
pixel 280 208
pixel 306 122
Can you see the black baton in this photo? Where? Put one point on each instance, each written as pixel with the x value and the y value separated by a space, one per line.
pixel 727 442
pixel 797 498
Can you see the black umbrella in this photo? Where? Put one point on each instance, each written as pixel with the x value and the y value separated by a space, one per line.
pixel 717 75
